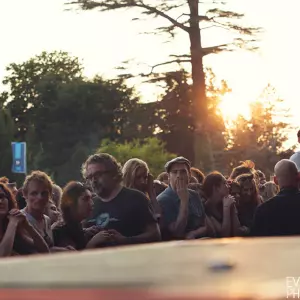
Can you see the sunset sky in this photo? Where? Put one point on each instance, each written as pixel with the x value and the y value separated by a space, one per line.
pixel 104 40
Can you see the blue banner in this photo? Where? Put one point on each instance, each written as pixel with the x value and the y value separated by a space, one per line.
pixel 19 158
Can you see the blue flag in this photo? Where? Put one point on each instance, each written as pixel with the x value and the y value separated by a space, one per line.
pixel 19 158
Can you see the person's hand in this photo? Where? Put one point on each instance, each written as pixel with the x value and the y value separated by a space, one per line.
pixel 117 237
pixel 228 201
pixel 17 217
pixel 191 235
pixel 182 190
pixel 210 231
pixel 91 231
pixel 102 237
pixel 71 248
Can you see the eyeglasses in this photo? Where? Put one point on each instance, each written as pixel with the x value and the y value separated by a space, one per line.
pixel 96 175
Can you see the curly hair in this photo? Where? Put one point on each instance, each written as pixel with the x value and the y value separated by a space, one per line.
pixel 11 202
pixel 40 177
pixel 250 177
pixel 108 161
pixel 246 167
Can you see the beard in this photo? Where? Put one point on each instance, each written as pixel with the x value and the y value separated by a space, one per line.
pixel 100 190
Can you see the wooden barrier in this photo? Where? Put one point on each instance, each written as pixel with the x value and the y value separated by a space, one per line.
pixel 203 269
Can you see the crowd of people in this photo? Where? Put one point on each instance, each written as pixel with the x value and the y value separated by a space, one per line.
pixel 118 205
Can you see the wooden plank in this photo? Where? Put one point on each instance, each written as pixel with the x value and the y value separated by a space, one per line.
pixel 258 268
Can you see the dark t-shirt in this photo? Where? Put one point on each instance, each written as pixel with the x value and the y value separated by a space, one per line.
pixel 129 213
pixel 278 216
pixel 68 234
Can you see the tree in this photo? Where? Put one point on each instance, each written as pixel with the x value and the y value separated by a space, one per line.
pixel 171 118
pixel 22 80
pixel 66 114
pixel 262 137
pixel 6 137
pixel 193 18
pixel 75 117
pixel 151 150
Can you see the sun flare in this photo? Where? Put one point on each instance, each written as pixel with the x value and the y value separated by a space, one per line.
pixel 232 105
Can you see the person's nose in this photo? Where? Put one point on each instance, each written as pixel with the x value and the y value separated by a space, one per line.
pixel 40 196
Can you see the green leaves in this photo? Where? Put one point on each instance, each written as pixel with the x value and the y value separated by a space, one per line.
pixel 151 150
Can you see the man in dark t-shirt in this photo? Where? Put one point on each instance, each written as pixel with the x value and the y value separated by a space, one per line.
pixel 280 216
pixel 124 213
pixel 128 213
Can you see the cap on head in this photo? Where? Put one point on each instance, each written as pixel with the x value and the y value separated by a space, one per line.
pixel 177 160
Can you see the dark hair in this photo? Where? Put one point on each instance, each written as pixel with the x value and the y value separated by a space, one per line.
pixel 211 181
pixel 71 193
pixel 20 199
pixel 162 176
pixel 11 202
pixel 298 133
pixel 250 177
pixel 159 187
pixel 108 161
pixel 198 174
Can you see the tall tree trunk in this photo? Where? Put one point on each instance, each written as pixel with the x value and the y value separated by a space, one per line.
pixel 202 142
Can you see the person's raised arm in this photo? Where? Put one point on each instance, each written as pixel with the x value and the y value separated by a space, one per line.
pixel 226 231
pixel 7 243
pixel 179 226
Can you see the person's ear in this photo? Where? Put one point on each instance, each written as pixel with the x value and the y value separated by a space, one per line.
pixel 275 180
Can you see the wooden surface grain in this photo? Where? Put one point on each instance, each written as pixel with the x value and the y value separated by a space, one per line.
pixel 256 268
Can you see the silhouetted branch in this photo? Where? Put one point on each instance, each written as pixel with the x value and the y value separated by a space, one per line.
pixel 178 61
pixel 106 5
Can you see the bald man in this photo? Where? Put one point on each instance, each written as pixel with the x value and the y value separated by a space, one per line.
pixel 280 215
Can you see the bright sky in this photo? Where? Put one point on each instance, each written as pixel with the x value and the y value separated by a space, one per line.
pixel 103 41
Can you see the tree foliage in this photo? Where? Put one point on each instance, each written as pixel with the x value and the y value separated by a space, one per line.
pixel 261 138
pixel 22 80
pixel 62 115
pixel 193 18
pixel 6 137
pixel 151 150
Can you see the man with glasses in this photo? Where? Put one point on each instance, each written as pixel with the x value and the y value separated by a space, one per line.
pixel 124 213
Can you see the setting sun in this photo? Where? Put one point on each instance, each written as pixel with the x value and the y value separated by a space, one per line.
pixel 231 106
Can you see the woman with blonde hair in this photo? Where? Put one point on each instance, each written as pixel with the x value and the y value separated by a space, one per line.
pixel 136 175
pixel 269 190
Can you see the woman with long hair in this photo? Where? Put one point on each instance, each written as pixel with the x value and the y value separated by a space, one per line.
pixel 136 175
pixel 76 206
pixel 17 236
pixel 249 199
pixel 221 214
